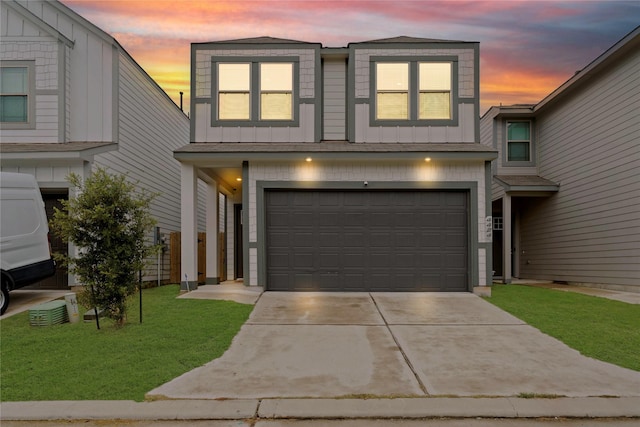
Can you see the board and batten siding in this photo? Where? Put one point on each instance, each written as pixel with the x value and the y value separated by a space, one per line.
pixel 42 51
pixel 589 143
pixel 202 88
pixel 464 131
pixel 90 67
pixel 150 127
pixel 334 102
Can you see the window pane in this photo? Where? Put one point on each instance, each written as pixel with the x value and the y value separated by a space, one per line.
pixel 13 109
pixel 233 106
pixel 276 76
pixel 392 106
pixel 435 105
pixel 392 77
pixel 234 77
pixel 435 76
pixel 13 80
pixel 518 131
pixel 275 106
pixel 518 152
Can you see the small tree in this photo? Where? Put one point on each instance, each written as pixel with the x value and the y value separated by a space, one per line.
pixel 108 221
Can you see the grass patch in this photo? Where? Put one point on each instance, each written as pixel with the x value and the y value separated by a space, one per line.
pixel 78 362
pixel 597 327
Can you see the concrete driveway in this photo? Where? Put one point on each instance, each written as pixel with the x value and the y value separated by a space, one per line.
pixel 393 345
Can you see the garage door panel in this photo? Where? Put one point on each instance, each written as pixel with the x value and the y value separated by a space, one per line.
pixel 405 240
pixel 455 219
pixel 303 261
pixel 330 200
pixel 354 260
pixel 328 219
pixel 354 199
pixel 379 239
pixel 455 240
pixel 278 219
pixel 353 219
pixel 329 239
pixel 329 261
pixel 366 240
pixel 303 198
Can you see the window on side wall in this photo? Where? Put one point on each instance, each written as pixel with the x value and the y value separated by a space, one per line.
pixel 254 93
pixel 413 92
pixel 519 141
pixel 16 95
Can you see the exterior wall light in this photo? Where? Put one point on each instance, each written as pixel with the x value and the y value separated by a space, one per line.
pixel 427 159
pixel 308 159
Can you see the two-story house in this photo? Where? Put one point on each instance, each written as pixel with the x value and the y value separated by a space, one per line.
pixel 566 188
pixel 340 169
pixel 72 99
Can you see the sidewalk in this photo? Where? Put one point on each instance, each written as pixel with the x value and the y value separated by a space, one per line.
pixel 245 409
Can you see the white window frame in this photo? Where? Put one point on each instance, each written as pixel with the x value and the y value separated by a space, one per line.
pixel 30 94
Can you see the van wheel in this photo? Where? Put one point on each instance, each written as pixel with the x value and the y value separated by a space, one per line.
pixel 4 299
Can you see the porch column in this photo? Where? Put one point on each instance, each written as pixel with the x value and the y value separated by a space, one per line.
pixel 189 227
pixel 213 277
pixel 506 238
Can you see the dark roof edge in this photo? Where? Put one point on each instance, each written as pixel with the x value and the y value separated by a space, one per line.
pixel 594 66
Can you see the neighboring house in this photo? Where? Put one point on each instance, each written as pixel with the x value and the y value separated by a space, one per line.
pixel 72 100
pixel 566 184
pixel 347 169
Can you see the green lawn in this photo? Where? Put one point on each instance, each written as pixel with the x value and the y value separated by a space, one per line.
pixel 78 362
pixel 597 327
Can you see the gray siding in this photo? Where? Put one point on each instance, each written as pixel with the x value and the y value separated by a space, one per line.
pixel 590 231
pixel 150 128
pixel 334 104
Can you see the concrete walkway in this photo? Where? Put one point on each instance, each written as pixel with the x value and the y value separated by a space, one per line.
pixel 381 345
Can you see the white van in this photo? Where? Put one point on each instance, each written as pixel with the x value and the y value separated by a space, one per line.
pixel 25 253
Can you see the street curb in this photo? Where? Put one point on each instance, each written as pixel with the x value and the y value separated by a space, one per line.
pixel 129 410
pixel 406 408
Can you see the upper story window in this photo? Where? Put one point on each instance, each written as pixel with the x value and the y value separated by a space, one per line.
pixel 234 90
pixel 276 91
pixel 255 93
pixel 392 91
pixel 519 141
pixel 17 104
pixel 435 90
pixel 413 92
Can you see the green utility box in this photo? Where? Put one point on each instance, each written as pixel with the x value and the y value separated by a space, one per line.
pixel 50 313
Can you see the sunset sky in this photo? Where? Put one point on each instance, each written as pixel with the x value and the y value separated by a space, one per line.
pixel 527 48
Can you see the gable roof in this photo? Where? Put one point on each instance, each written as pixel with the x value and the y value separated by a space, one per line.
pixel 629 43
pixel 39 23
pixel 257 40
pixel 407 39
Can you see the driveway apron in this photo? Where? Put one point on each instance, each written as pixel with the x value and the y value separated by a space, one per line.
pixel 393 345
